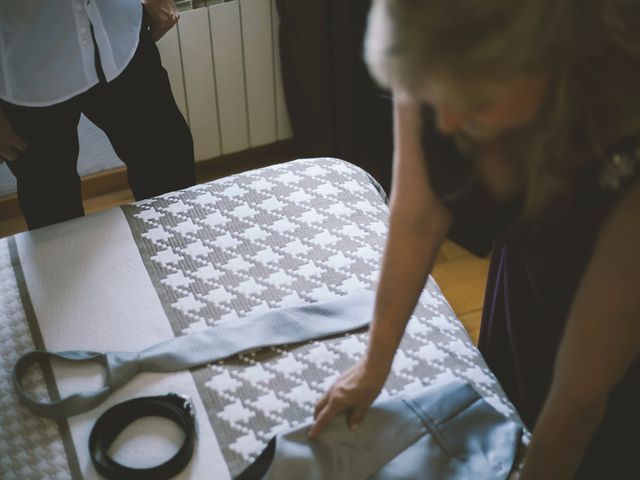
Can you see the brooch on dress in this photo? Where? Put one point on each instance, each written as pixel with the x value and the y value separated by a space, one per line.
pixel 620 168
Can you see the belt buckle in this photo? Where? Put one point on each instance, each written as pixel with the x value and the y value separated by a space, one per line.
pixel 187 406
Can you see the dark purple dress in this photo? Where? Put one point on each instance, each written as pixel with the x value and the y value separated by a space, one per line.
pixel 533 276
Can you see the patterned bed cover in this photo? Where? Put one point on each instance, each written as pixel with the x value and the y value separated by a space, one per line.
pixel 299 232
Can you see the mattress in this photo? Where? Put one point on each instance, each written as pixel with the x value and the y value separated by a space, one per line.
pixel 122 280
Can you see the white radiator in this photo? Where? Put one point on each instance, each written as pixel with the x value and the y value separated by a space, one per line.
pixel 224 66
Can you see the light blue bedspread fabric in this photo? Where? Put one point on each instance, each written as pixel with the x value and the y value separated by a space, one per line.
pixel 446 431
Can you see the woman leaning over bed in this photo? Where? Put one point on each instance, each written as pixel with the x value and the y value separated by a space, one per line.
pixel 517 130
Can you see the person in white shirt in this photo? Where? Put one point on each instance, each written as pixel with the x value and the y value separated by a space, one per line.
pixel 61 59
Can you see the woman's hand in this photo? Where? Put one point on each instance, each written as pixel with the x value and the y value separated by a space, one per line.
pixel 11 144
pixel 354 392
pixel 163 15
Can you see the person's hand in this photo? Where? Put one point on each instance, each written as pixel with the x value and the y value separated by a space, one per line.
pixel 354 391
pixel 11 144
pixel 163 15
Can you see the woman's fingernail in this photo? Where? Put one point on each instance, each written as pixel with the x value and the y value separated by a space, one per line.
pixel 354 427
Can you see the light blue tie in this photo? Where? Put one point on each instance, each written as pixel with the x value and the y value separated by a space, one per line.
pixel 276 327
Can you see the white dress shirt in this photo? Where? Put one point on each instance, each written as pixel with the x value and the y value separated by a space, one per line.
pixel 47 53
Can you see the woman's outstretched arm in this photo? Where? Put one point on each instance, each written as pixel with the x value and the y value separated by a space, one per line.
pixel 418 223
pixel 601 341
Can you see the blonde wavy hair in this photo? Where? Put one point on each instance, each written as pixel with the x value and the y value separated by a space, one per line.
pixel 591 49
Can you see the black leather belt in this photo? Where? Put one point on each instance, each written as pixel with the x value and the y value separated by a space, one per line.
pixel 111 423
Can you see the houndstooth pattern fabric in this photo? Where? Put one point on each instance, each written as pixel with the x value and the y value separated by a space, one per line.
pixel 30 446
pixel 295 233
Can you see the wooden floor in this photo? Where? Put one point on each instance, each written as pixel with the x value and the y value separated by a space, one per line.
pixel 460 275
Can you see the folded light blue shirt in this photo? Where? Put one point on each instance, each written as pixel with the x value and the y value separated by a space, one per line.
pixel 446 431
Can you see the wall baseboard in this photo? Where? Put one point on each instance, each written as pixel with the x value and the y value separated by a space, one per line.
pixel 115 180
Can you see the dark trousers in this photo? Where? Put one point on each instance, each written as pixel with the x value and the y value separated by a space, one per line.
pixel 138 113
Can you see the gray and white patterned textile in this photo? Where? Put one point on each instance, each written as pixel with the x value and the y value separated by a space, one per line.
pixel 285 235
pixel 301 232
pixel 30 447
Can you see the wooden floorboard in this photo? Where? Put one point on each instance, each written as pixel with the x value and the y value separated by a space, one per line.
pixel 452 251
pixel 12 226
pixel 471 322
pixel 110 200
pixel 463 281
